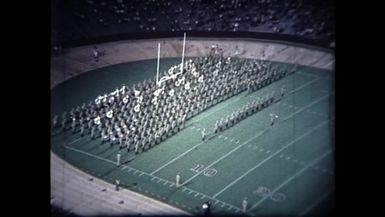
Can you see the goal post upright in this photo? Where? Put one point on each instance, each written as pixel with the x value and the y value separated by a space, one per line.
pixel 157 66
pixel 184 45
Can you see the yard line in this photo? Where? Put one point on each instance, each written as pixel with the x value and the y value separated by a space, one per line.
pixel 268 158
pixel 231 102
pixel 316 203
pixel 160 179
pixel 176 158
pixel 302 86
pixel 92 155
pixel 219 159
pixel 292 177
pixel 259 134
pixel 304 108
pixel 75 140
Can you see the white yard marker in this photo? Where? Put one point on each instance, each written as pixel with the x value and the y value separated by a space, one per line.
pixel 268 158
pixel 147 174
pixel 231 102
pixel 176 158
pixel 259 134
pixel 316 203
pixel 75 141
pixel 224 156
pixel 292 177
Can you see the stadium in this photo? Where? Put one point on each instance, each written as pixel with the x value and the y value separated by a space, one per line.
pixel 192 108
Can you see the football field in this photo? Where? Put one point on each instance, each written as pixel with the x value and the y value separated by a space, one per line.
pixel 282 169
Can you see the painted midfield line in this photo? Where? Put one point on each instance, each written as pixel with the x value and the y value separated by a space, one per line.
pixel 268 158
pixel 291 178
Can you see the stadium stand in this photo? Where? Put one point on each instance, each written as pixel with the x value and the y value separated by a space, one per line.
pixel 89 19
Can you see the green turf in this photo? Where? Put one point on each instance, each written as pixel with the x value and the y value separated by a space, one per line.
pixel 237 161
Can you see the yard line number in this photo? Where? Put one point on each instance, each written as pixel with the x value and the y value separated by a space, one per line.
pixel 209 172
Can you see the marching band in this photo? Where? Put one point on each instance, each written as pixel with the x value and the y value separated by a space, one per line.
pixel 151 111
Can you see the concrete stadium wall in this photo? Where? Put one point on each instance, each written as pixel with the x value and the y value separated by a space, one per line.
pixel 72 190
pixel 75 61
